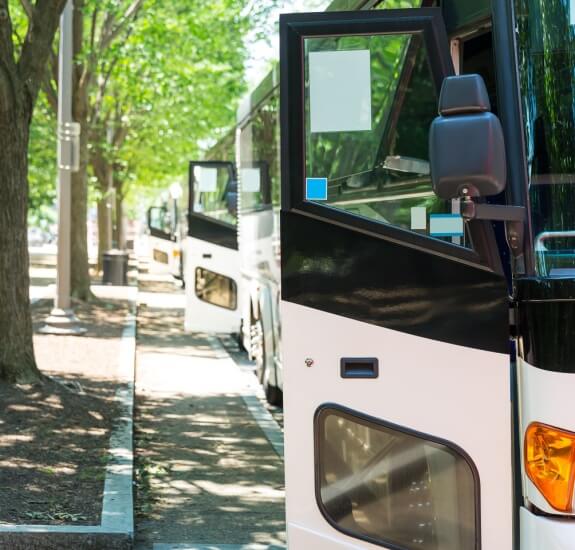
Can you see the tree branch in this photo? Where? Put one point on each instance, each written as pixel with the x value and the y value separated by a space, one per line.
pixel 115 31
pixel 102 85
pixel 38 45
pixel 51 93
pixel 27 8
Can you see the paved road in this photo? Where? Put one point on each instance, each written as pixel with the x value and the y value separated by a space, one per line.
pixel 208 476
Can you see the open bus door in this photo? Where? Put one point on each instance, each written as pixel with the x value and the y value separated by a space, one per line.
pixel 162 237
pixel 394 311
pixel 212 270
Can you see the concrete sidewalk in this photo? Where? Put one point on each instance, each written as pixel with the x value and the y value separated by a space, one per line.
pixel 208 477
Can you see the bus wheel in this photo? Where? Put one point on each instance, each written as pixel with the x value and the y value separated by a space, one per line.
pixel 257 348
pixel 274 395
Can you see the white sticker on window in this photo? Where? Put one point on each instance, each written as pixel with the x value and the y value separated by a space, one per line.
pixel 207 179
pixel 419 217
pixel 250 178
pixel 340 91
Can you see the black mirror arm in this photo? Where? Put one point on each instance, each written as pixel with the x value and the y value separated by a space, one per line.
pixel 513 216
pixel 471 210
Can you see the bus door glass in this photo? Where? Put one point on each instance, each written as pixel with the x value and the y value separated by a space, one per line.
pixel 211 255
pixel 394 326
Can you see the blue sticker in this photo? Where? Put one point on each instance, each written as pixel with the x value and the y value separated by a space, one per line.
pixel 446 225
pixel 316 189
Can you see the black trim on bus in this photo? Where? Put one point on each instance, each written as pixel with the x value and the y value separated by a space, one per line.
pixel 546 315
pixel 154 231
pixel 364 418
pixel 365 277
pixel 293 28
pixel 511 116
pixel 203 227
pixel 159 234
pixel 212 231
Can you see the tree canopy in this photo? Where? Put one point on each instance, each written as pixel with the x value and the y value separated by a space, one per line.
pixel 169 84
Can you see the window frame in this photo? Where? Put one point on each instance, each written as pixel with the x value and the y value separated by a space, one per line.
pixel 365 419
pixel 243 124
pixel 155 231
pixel 265 189
pixel 234 288
pixel 230 166
pixel 294 28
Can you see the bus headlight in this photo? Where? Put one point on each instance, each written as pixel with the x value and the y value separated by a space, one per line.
pixel 550 463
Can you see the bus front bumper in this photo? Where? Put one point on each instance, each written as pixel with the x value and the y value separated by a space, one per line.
pixel 546 533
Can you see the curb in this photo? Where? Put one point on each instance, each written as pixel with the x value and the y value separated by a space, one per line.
pixel 116 530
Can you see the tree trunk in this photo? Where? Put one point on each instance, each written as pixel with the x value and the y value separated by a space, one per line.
pixel 104 236
pixel 118 232
pixel 19 85
pixel 17 363
pixel 80 267
pixel 119 213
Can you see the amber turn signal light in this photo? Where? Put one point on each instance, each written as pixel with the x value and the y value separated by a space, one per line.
pixel 550 463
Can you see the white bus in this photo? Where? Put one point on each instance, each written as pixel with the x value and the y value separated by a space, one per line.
pixel 428 275
pixel 167 227
pixel 257 155
pixel 211 272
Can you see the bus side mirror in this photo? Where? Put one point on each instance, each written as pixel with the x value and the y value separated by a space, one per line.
pixel 466 144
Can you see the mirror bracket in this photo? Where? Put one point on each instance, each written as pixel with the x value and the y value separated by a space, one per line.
pixel 470 210
pixel 513 216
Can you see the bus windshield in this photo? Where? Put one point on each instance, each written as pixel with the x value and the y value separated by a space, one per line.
pixel 546 44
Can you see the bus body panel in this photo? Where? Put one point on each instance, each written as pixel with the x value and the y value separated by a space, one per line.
pixel 304 538
pixel 546 397
pixel 546 533
pixel 260 273
pixel 164 252
pixel 457 393
pixel 203 316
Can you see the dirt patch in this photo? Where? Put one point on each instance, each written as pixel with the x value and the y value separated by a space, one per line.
pixel 54 437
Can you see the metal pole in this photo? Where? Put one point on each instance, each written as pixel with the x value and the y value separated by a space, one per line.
pixel 62 319
pixel 65 63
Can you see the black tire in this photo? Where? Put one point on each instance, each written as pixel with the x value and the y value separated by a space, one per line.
pixel 274 395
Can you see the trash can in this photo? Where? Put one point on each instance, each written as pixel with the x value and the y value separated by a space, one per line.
pixel 115 265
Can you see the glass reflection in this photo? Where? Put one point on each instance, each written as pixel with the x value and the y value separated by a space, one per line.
pixel 546 42
pixel 214 198
pixel 389 486
pixel 380 173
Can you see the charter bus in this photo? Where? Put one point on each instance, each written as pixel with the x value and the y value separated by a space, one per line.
pixel 232 251
pixel 258 159
pixel 167 227
pixel 428 275
pixel 212 265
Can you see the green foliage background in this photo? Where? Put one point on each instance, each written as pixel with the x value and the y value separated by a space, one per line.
pixel 174 84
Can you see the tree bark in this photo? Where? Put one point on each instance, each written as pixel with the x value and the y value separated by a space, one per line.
pixel 119 236
pixel 17 363
pixel 104 236
pixel 19 85
pixel 80 266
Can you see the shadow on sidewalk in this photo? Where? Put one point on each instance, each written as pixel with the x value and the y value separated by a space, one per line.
pixel 205 473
